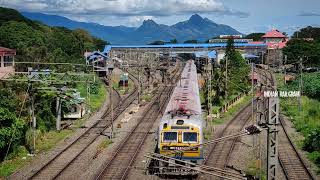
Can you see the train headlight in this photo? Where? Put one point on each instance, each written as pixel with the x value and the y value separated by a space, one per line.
pixel 165 148
pixel 195 149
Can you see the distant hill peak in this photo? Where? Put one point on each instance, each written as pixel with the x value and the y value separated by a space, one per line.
pixel 196 27
pixel 149 22
pixel 196 18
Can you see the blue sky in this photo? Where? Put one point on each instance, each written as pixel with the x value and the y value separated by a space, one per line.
pixel 244 15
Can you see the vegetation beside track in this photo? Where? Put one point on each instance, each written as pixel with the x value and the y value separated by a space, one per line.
pixel 232 111
pixel 227 115
pixel 20 157
pixel 253 169
pixel 306 121
pixel 36 42
pixel 97 96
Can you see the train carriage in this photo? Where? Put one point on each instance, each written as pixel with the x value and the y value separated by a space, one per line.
pixel 182 125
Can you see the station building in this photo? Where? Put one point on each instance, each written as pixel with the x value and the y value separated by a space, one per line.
pixel 275 39
pixel 6 61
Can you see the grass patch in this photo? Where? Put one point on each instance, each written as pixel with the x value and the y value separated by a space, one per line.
pixel 50 139
pixel 96 99
pixel 20 157
pixel 104 144
pixel 305 121
pixel 253 169
pixel 9 166
pixel 232 111
pixel 146 97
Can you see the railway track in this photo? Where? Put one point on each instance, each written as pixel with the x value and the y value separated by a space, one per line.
pixel 122 159
pixel 66 156
pixel 219 153
pixel 291 162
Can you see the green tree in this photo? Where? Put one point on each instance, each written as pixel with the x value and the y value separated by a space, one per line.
pixel 12 131
pixel 157 43
pixel 18 35
pixel 308 32
pixel 235 69
pixel 255 36
pixel 308 50
pixel 173 41
pixel 7 14
pixel 194 41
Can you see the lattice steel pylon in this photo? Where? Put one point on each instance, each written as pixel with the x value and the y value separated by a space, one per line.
pixel 209 84
pixel 272 137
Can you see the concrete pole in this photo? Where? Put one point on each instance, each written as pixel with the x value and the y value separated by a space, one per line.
pixel 226 92
pixel 1 61
pixel 111 102
pixel 254 137
pixel 58 106
pixel 285 69
pixel 34 123
pixel 300 84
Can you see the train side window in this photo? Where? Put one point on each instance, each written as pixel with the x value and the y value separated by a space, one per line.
pixel 170 137
pixel 190 137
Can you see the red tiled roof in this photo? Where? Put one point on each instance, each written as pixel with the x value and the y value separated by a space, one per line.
pixel 274 34
pixel 7 51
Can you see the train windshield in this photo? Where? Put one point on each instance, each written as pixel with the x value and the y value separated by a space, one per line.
pixel 170 136
pixel 190 137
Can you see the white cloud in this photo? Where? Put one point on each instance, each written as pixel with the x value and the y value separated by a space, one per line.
pixel 135 21
pixel 124 7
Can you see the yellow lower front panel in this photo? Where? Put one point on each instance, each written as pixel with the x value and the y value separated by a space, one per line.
pixel 188 154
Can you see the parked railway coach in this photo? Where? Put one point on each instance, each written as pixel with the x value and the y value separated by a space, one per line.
pixel 182 125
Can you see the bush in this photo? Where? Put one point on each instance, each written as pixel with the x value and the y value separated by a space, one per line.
pixel 312 142
pixel 12 131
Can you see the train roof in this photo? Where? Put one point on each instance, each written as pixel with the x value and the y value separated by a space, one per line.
pixel 185 98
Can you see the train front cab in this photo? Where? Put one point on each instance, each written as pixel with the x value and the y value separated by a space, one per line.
pixel 173 138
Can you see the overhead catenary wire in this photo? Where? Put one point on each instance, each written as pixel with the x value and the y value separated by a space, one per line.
pixel 197 169
pixel 222 171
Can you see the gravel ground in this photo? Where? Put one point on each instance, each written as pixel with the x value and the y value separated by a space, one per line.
pixel 94 161
pixel 94 158
pixel 138 169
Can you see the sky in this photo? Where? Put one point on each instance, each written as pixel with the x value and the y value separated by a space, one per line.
pixel 244 15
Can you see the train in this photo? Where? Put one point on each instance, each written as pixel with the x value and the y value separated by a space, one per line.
pixel 181 126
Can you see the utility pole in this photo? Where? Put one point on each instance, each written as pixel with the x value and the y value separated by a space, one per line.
pixel 254 138
pixel 226 91
pixel 139 83
pixel 110 69
pixel 58 109
pixel 252 91
pixel 300 83
pixel 209 85
pixel 34 123
pixel 285 69
pixel 111 105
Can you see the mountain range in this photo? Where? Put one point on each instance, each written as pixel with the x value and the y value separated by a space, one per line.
pixel 195 28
